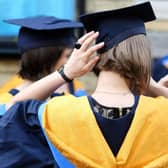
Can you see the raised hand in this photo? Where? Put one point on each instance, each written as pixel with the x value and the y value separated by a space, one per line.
pixel 164 81
pixel 160 88
pixel 81 60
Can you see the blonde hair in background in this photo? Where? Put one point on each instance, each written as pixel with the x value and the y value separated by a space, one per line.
pixel 131 58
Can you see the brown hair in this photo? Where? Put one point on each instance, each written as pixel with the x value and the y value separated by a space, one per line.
pixel 39 62
pixel 131 59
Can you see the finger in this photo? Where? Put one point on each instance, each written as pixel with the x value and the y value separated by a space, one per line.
pixel 88 67
pixel 92 50
pixel 83 38
pixel 89 41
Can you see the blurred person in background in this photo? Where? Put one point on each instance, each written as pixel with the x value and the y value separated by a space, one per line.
pixel 45 43
pixel 116 126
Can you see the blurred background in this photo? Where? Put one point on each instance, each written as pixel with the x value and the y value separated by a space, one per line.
pixel 71 9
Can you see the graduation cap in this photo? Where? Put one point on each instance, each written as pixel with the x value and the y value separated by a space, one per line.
pixel 117 25
pixel 43 31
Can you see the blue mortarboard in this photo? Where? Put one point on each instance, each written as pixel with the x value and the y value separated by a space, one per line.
pixel 43 31
pixel 117 25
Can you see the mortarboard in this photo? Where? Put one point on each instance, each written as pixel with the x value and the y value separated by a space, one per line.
pixel 43 31
pixel 117 25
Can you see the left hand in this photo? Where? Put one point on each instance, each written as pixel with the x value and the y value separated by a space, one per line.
pixel 164 81
pixel 158 88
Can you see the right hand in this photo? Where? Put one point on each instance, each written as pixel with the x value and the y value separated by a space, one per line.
pixel 80 61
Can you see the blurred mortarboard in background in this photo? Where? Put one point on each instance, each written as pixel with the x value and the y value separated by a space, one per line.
pixel 44 31
pixel 117 25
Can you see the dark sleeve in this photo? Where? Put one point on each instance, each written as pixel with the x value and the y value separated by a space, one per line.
pixel 22 142
pixel 158 69
pixel 24 113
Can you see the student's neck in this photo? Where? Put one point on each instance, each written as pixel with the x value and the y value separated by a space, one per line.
pixel 111 81
pixel 24 85
pixel 113 90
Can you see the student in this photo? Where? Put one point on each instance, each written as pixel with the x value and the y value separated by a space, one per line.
pixel 45 43
pixel 116 126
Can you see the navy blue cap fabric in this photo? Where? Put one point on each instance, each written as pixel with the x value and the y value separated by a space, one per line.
pixel 43 31
pixel 117 25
